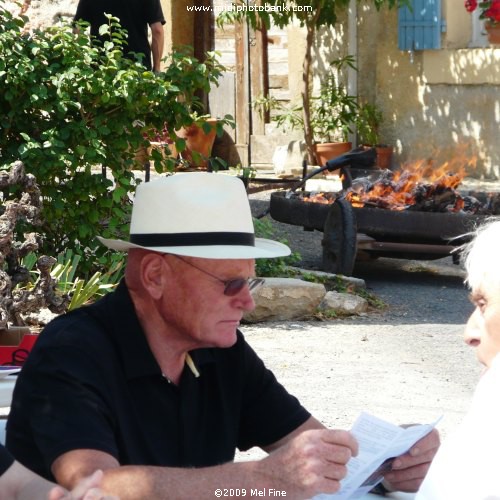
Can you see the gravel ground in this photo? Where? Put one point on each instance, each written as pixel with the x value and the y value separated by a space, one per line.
pixel 405 374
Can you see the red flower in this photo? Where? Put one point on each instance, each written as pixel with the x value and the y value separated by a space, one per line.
pixel 493 12
pixel 488 9
pixel 470 5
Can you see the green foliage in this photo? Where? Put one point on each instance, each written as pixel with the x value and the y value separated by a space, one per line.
pixel 244 172
pixel 287 117
pixel 276 266
pixel 367 123
pixel 65 271
pixel 334 110
pixel 80 290
pixel 372 299
pixel 70 106
pixel 307 12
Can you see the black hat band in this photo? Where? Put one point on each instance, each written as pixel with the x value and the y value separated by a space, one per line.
pixel 192 239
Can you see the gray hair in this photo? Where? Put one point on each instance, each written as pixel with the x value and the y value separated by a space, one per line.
pixel 481 256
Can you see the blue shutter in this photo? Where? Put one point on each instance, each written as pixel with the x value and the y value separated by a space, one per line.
pixel 420 27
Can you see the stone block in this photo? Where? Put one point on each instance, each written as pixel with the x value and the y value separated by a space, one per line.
pixel 343 303
pixel 282 299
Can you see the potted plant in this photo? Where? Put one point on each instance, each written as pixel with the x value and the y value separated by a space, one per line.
pixel 159 144
pixel 489 11
pixel 198 139
pixel 368 121
pixel 333 113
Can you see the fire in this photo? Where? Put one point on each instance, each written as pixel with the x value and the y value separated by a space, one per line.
pixel 325 198
pixel 399 190
pixel 417 184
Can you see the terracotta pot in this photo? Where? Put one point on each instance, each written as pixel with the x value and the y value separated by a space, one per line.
pixel 384 156
pixel 200 142
pixel 328 150
pixel 493 32
pixel 140 158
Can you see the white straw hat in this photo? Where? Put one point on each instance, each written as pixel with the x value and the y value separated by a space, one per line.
pixel 197 214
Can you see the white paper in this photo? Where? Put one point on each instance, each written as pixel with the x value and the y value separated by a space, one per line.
pixel 8 370
pixel 379 443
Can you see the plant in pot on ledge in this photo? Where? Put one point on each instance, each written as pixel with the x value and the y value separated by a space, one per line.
pixel 368 121
pixel 489 11
pixel 333 113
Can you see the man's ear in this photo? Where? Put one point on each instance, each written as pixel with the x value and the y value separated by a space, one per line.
pixel 154 273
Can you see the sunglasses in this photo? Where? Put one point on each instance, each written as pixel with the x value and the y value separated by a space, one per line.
pixel 231 287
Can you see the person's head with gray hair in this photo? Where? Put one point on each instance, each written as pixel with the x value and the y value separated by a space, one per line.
pixel 481 258
pixel 471 451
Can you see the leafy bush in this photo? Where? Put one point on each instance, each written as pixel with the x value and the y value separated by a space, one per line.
pixel 68 106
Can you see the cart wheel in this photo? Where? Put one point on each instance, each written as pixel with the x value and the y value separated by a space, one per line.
pixel 339 239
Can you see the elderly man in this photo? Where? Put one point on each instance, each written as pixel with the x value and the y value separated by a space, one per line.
pixel 155 385
pixel 466 468
pixel 135 16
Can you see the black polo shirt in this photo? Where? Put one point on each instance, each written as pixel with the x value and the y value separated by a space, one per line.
pixel 6 459
pixel 91 381
pixel 135 16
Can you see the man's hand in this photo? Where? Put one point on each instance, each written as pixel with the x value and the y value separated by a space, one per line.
pixel 408 470
pixel 311 463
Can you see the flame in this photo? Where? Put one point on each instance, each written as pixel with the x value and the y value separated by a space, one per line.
pixel 416 182
pixel 324 198
pixel 419 180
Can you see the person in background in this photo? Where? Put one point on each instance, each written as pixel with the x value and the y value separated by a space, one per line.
pixel 19 483
pixel 467 465
pixel 135 16
pixel 155 384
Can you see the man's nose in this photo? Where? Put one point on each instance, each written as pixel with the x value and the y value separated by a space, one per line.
pixel 246 299
pixel 472 332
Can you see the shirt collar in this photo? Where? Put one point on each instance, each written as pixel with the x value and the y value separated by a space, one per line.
pixel 137 358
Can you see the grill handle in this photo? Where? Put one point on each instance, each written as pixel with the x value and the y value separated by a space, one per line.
pixel 360 156
pixel 364 157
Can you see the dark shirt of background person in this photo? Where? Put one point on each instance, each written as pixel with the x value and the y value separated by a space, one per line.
pixel 135 16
